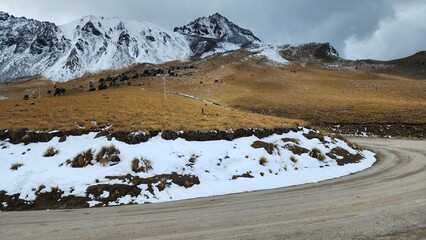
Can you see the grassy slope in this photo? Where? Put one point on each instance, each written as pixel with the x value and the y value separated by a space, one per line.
pixel 293 92
pixel 127 109
pixel 317 95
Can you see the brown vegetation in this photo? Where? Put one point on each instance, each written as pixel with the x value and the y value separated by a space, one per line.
pixel 82 159
pixel 15 166
pixel 141 165
pixel 263 161
pixel 108 155
pixel 50 152
pixel 320 96
pixel 316 153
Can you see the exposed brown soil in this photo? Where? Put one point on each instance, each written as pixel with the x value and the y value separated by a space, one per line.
pixel 27 136
pixel 296 149
pixel 291 140
pixel 380 130
pixel 343 157
pixel 244 175
pixel 269 147
pixel 186 181
pixel 54 199
pixel 49 200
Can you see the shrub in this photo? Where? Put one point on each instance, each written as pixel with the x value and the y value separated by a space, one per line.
pixel 193 158
pixel 15 166
pixel 293 159
pixel 40 188
pixel 50 152
pixel 55 189
pixel 263 161
pixel 82 159
pixel 135 164
pixel 316 153
pixel 146 165
pixel 108 155
pixel 163 184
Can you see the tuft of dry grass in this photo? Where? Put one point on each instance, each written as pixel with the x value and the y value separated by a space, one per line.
pixel 316 153
pixel 16 166
pixel 193 158
pixel 141 165
pixel 293 159
pixel 50 152
pixel 263 161
pixel 40 188
pixel 55 189
pixel 163 184
pixel 108 155
pixel 82 159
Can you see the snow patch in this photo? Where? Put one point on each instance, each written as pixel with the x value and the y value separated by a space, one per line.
pixel 217 165
pixel 271 52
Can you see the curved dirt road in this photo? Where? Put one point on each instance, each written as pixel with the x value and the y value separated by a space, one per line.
pixel 387 201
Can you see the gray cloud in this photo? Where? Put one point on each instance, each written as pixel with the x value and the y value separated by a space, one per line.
pixel 358 29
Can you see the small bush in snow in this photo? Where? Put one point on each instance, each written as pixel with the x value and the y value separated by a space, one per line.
pixel 193 158
pixel 163 184
pixel 108 155
pixel 82 159
pixel 50 152
pixel 15 166
pixel 263 161
pixel 316 153
pixel 40 188
pixel 293 159
pixel 55 189
pixel 141 165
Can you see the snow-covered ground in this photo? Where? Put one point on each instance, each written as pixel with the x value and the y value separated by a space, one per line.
pixel 271 52
pixel 218 165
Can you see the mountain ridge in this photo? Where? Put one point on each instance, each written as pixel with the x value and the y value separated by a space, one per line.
pixel 93 44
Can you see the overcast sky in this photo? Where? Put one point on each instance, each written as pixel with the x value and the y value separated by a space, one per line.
pixel 378 29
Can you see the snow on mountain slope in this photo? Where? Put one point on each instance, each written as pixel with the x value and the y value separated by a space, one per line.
pixel 100 43
pixel 89 44
pixel 218 27
pixel 271 52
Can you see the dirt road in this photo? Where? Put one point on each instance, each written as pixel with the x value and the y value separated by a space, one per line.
pixel 387 201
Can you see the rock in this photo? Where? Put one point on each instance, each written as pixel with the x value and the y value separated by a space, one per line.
pixel 63 138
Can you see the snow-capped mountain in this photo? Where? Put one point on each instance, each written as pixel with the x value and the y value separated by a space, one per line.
pixel 89 44
pixel 216 34
pixel 218 27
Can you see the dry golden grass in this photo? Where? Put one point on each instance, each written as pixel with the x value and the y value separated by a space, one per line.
pixel 316 95
pixel 127 108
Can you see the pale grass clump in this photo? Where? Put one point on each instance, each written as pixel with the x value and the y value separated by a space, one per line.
pixel 293 159
pixel 108 155
pixel 16 166
pixel 82 159
pixel 263 161
pixel 141 165
pixel 50 152
pixel 316 153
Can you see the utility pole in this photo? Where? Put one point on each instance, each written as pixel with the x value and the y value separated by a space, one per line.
pixel 39 93
pixel 164 89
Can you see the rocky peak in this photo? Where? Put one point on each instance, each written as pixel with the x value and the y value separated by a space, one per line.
pixel 218 27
